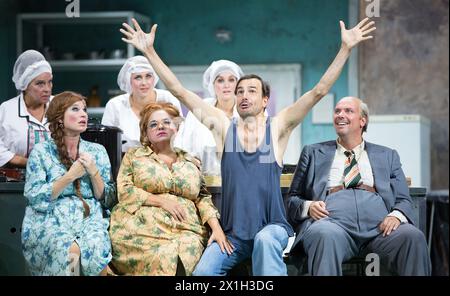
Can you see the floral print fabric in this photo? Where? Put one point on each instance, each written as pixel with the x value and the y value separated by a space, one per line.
pixel 51 226
pixel 146 240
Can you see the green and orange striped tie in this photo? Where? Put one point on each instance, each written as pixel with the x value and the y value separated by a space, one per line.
pixel 352 177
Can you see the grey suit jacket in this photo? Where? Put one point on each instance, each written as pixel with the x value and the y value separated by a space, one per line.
pixel 311 177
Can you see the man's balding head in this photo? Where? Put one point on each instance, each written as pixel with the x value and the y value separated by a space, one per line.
pixel 363 109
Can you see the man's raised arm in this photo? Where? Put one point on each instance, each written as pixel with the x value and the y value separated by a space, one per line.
pixel 212 117
pixel 291 116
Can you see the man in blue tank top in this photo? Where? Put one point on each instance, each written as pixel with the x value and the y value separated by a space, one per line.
pixel 251 148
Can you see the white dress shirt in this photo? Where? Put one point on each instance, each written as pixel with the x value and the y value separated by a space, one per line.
pixel 118 113
pixel 336 176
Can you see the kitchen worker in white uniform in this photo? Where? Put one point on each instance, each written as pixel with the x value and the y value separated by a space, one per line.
pixel 22 119
pixel 138 79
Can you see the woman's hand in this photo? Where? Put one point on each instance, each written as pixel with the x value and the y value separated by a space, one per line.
pixel 175 209
pixel 88 163
pixel 76 171
pixel 137 37
pixel 221 239
pixel 350 38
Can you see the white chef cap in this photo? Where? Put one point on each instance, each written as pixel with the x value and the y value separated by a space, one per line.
pixel 29 65
pixel 134 64
pixel 215 69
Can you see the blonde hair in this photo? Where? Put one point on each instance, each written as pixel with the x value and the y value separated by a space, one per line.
pixel 364 114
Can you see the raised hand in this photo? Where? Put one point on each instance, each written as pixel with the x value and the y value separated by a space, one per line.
pixel 138 38
pixel 352 37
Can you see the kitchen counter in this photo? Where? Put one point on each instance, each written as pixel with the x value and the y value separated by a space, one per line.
pixel 11 187
pixel 12 210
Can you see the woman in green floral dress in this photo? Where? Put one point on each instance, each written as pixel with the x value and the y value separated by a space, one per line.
pixel 164 208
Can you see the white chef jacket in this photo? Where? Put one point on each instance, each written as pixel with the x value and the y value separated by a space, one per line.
pixel 19 130
pixel 118 113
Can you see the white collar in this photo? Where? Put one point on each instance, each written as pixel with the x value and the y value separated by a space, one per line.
pixel 23 111
pixel 358 149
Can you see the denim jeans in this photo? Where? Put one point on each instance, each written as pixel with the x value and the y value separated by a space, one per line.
pixel 266 251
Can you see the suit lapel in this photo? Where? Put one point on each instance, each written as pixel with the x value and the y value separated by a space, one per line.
pixel 376 160
pixel 324 158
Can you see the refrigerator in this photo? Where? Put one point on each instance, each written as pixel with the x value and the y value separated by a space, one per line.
pixel 410 136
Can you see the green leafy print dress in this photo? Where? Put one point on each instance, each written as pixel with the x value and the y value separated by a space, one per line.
pixel 146 240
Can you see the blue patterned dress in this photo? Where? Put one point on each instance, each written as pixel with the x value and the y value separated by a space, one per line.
pixel 51 226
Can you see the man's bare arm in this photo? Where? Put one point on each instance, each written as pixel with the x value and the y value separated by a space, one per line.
pixel 210 116
pixel 291 116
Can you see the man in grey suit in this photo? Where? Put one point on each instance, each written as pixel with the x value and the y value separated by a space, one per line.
pixel 349 196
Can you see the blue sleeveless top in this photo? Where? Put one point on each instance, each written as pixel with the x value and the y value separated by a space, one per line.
pixel 251 193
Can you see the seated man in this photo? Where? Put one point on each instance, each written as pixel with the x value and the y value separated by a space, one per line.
pixel 349 196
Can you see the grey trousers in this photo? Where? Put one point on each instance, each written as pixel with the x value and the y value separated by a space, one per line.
pixel 352 226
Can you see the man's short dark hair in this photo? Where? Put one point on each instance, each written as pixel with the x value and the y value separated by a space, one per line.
pixel 264 85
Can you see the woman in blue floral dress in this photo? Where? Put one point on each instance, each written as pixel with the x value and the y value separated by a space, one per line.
pixel 68 182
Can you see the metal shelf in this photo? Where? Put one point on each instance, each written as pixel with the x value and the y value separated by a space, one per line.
pixel 95 110
pixel 76 65
pixel 112 17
